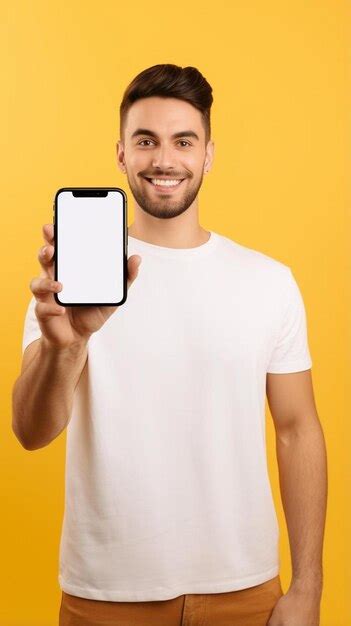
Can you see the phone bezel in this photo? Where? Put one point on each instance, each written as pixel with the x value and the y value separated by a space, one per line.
pixel 92 192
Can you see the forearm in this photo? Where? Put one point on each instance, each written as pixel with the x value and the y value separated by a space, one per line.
pixel 42 396
pixel 302 462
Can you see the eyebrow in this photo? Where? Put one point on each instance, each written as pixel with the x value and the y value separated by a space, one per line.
pixel 184 133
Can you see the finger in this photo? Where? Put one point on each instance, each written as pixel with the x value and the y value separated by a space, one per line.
pixel 132 272
pixel 46 260
pixel 134 262
pixel 44 288
pixel 48 233
pixel 45 310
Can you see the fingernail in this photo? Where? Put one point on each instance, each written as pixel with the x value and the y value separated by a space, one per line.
pixel 44 250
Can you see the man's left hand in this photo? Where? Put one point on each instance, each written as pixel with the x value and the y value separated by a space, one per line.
pixel 296 608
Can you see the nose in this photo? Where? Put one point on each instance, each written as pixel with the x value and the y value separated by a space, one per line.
pixel 162 158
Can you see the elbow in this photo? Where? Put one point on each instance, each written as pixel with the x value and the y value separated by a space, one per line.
pixel 298 430
pixel 21 440
pixel 27 445
pixel 30 446
pixel 19 432
pixel 15 423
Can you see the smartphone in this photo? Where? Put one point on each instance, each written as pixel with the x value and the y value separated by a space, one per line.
pixel 91 246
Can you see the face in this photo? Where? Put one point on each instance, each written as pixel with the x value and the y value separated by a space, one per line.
pixel 164 140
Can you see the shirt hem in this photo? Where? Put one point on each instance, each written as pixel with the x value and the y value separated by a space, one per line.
pixel 164 593
pixel 290 367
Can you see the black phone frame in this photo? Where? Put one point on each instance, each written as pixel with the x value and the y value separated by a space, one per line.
pixel 93 192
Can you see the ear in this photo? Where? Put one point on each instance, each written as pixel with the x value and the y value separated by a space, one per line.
pixel 120 156
pixel 209 156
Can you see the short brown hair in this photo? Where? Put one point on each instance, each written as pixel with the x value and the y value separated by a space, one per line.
pixel 170 81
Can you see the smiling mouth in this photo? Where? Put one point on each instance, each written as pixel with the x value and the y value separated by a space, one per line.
pixel 164 187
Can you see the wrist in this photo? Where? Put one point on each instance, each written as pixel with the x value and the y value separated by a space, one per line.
pixel 74 349
pixel 308 584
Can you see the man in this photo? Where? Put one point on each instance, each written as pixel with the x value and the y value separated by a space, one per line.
pixel 169 516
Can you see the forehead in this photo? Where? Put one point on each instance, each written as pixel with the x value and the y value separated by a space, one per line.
pixel 164 116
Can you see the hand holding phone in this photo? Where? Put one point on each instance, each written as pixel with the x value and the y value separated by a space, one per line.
pixel 64 326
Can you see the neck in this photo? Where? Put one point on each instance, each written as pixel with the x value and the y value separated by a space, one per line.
pixel 170 237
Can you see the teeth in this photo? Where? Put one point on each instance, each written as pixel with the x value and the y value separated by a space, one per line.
pixel 165 183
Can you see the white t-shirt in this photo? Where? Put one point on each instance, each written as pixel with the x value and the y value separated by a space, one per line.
pixel 167 487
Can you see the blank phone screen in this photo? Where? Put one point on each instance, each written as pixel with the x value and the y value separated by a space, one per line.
pixel 89 248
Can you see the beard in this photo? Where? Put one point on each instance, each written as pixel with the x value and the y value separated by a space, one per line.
pixel 165 207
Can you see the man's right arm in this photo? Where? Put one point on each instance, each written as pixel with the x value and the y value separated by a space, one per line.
pixel 42 395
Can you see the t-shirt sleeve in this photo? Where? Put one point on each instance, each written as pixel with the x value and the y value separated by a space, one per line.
pixel 291 350
pixel 31 330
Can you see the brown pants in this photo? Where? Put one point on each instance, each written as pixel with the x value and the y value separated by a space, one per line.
pixel 247 607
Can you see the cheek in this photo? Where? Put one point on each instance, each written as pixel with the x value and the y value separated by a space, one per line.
pixel 194 164
pixel 137 163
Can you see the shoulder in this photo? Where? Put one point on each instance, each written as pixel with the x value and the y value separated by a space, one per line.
pixel 254 263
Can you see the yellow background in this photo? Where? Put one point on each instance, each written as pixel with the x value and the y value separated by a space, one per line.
pixel 280 126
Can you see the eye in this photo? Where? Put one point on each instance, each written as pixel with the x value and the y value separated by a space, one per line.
pixel 181 141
